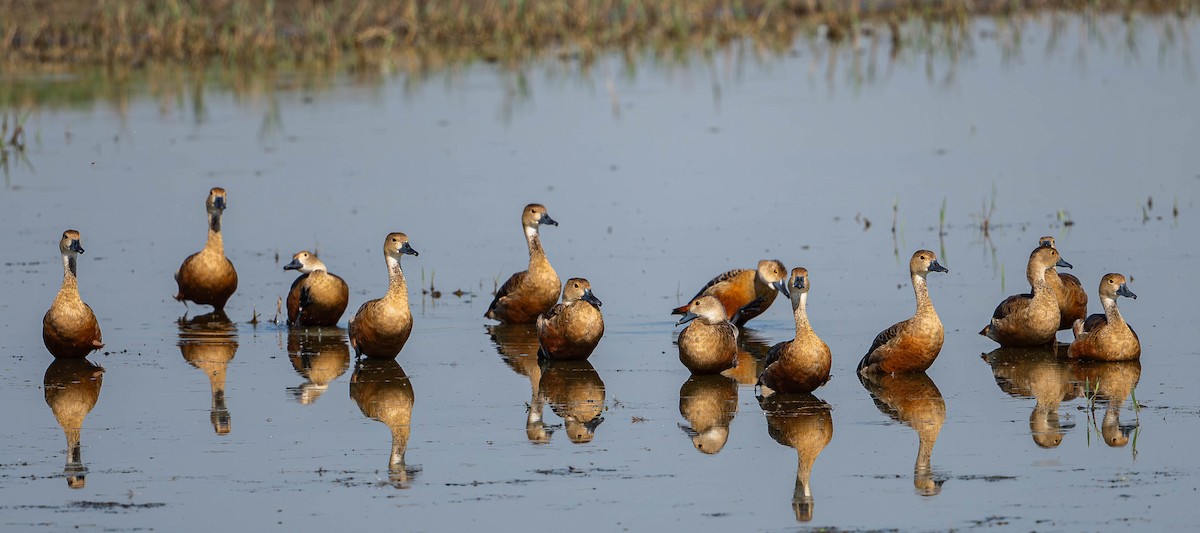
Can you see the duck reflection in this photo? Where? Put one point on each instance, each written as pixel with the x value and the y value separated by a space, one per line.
pixel 517 345
pixel 752 351
pixel 1040 374
pixel 803 422
pixel 72 387
pixel 1112 382
pixel 319 355
pixel 708 402
pixel 208 342
pixel 575 392
pixel 383 392
pixel 913 399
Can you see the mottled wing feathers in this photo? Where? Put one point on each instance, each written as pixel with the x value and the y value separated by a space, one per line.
pixel 881 339
pixel 750 310
pixel 1011 304
pixel 723 277
pixel 1095 321
pixel 509 286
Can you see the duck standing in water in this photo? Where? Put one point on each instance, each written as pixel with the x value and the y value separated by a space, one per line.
pixel 744 293
pixel 1068 291
pixel 911 345
pixel 1106 337
pixel 708 344
pixel 1029 319
pixel 207 277
pixel 530 292
pixel 317 298
pixel 69 327
pixel 571 329
pixel 801 364
pixel 381 327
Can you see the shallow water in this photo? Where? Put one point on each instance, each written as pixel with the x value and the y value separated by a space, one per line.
pixel 661 176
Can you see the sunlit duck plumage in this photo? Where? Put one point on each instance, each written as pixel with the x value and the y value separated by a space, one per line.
pixel 69 327
pixel 709 343
pixel 801 364
pixel 317 298
pixel 381 327
pixel 571 329
pixel 530 292
pixel 744 293
pixel 207 277
pixel 1107 337
pixel 1072 299
pixel 1029 319
pixel 911 345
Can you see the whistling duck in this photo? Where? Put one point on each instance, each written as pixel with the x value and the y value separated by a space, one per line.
pixel 707 345
pixel 1072 299
pixel 531 292
pixel 1107 337
pixel 571 329
pixel 911 345
pixel 207 277
pixel 1029 319
pixel 801 364
pixel 317 298
pixel 744 293
pixel 69 327
pixel 381 327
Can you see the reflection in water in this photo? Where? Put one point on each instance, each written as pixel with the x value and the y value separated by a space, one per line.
pixel 72 387
pixel 1112 382
pixel 752 351
pixel 803 422
pixel 575 392
pixel 914 399
pixel 708 403
pixel 319 355
pixel 208 342
pixel 384 393
pixel 518 346
pixel 1038 373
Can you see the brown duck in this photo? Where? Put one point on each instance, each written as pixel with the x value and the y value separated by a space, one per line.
pixel 708 344
pixel 69 327
pixel 571 329
pixel 381 327
pixel 1072 299
pixel 801 364
pixel 1107 337
pixel 531 292
pixel 1029 319
pixel 207 277
pixel 744 293
pixel 317 298
pixel 911 345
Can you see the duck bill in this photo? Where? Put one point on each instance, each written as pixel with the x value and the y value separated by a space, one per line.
pixel 687 317
pixel 75 246
pixel 1063 264
pixel 1123 290
pixel 219 203
pixel 294 265
pixel 590 298
pixel 547 220
pixel 406 249
pixel 937 267
pixel 782 287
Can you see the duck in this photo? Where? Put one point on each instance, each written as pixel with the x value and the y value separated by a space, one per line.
pixel 744 293
pixel 207 277
pixel 317 298
pixel 531 292
pixel 381 326
pixel 708 345
pixel 911 345
pixel 571 329
pixel 801 364
pixel 1107 337
pixel 1072 299
pixel 1029 319
pixel 69 327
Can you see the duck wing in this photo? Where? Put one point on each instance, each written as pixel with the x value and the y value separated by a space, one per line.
pixel 721 278
pixel 509 286
pixel 1011 305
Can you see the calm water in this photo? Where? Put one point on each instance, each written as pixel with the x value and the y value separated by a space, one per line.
pixel 661 174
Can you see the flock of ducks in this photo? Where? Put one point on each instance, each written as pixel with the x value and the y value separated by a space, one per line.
pixel 570 325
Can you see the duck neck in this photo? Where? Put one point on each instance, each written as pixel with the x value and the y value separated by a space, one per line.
pixel 70 284
pixel 1111 313
pixel 537 255
pixel 924 304
pixel 1037 279
pixel 215 242
pixel 800 312
pixel 397 287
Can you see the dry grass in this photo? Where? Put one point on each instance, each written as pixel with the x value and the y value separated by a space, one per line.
pixel 131 32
